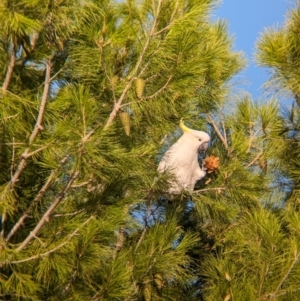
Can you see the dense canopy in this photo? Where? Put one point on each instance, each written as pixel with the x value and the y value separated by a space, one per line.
pixel 91 97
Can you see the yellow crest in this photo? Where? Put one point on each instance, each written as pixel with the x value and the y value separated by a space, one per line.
pixel 184 128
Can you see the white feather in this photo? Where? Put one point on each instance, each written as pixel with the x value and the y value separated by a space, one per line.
pixel 181 160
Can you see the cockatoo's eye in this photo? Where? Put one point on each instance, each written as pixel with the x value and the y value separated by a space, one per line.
pixel 200 140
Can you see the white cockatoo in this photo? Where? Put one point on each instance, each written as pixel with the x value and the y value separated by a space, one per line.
pixel 181 160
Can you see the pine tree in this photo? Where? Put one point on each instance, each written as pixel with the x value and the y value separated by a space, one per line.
pixel 253 254
pixel 92 94
pixel 90 89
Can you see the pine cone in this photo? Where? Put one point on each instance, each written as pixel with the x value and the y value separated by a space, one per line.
pixel 125 120
pixel 227 297
pixel 158 280
pixel 147 292
pixel 139 87
pixel 211 163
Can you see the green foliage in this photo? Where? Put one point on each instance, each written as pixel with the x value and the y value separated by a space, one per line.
pixel 83 213
pixel 272 254
pixel 278 48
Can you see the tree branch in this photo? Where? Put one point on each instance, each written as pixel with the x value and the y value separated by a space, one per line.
pixel 159 90
pixel 255 159
pixel 54 249
pixel 120 240
pixel 5 84
pixel 217 131
pixel 101 46
pixel 71 280
pixel 3 224
pixel 35 201
pixel 285 276
pixel 4 214
pixel 68 214
pixel 11 65
pixel 252 136
pixel 47 214
pixel 223 126
pixel 151 96
pixel 141 238
pixel 91 133
pixel 117 105
pixel 208 189
pixel 38 126
pixel 35 151
pixel 12 157
pixel 162 30
pixel 170 23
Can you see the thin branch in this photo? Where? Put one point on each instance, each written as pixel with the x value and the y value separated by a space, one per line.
pixel 286 275
pixel 53 76
pixel 174 11
pixel 208 189
pixel 159 90
pixel 262 278
pixel 71 280
pixel 162 30
pixel 131 102
pixel 81 184
pixel 4 214
pixel 39 240
pixel 12 116
pixel 12 158
pixel 147 65
pixel 38 126
pixel 171 21
pixel 287 291
pixel 217 131
pixel 223 126
pixel 36 151
pixel 40 195
pixel 47 214
pixel 252 136
pixel 141 238
pixel 70 236
pixel 34 202
pixel 19 169
pixel 224 131
pixel 151 96
pixel 112 85
pixel 101 46
pixel 11 65
pixel 16 143
pixel 3 224
pixel 92 132
pixel 68 214
pixel 152 212
pixel 16 96
pixel 117 105
pixel 120 239
pixel 255 159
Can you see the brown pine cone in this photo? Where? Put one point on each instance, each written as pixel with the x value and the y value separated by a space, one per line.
pixel 211 163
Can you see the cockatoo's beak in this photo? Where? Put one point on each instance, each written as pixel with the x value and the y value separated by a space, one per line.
pixel 203 147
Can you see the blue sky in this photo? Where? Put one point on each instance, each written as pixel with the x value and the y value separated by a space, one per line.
pixel 246 20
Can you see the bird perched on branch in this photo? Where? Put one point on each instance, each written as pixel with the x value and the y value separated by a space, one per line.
pixel 181 160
